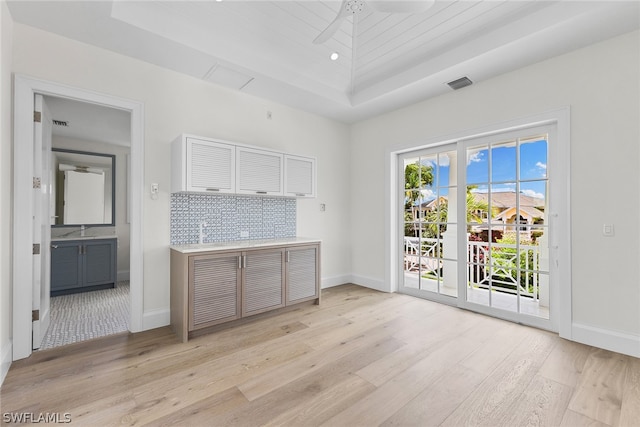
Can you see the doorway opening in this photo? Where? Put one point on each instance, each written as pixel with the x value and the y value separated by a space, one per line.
pixel 481 223
pixel 31 304
pixel 89 250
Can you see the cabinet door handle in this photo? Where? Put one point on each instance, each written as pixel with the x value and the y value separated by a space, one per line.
pixel 212 189
pixel 286 256
pixel 239 262
pixel 261 192
pixel 54 246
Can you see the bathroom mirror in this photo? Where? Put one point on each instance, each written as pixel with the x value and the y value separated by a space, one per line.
pixel 83 188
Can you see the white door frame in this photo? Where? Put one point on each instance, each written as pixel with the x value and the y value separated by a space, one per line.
pixel 25 88
pixel 561 244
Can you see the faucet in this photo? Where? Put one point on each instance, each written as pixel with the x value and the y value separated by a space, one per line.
pixel 82 228
pixel 203 224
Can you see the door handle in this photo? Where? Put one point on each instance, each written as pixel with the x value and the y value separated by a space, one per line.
pixel 54 246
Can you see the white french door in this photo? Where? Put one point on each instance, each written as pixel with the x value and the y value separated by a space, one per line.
pixel 429 223
pixel 478 218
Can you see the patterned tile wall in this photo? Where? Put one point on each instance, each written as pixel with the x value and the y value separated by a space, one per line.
pixel 227 218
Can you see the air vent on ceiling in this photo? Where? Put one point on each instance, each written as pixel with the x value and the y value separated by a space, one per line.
pixel 62 123
pixel 460 83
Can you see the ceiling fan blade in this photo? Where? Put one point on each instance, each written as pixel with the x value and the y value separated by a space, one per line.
pixel 401 6
pixel 333 27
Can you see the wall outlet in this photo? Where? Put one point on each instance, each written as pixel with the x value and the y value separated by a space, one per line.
pixel 608 230
pixel 244 234
pixel 323 207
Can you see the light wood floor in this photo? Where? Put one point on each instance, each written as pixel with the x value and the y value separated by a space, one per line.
pixel 362 358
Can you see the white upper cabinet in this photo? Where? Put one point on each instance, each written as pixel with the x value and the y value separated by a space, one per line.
pixel 203 165
pixel 259 171
pixel 200 164
pixel 299 176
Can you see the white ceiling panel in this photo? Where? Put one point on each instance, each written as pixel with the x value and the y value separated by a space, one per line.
pixel 266 48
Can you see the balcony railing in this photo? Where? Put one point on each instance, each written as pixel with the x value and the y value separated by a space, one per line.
pixel 501 267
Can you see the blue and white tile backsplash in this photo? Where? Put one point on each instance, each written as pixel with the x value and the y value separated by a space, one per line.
pixel 227 218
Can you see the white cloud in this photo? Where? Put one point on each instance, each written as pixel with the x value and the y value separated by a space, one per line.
pixel 541 165
pixel 444 160
pixel 428 194
pixel 476 157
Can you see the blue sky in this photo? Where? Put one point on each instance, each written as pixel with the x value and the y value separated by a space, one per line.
pixel 533 169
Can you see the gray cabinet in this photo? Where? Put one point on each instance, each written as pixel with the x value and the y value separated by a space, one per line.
pixel 214 289
pixel 82 265
pixel 302 273
pixel 263 281
pixel 218 286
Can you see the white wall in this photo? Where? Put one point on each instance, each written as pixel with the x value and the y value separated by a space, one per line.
pixel 6 117
pixel 122 227
pixel 175 103
pixel 601 85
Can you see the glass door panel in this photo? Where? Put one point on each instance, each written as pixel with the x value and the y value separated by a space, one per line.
pixel 476 225
pixel 430 239
pixel 508 249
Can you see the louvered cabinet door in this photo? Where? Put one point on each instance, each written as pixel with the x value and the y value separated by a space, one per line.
pixel 299 176
pixel 210 166
pixel 214 294
pixel 303 276
pixel 259 172
pixel 263 281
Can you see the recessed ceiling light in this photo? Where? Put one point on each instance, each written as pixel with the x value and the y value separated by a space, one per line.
pixel 334 56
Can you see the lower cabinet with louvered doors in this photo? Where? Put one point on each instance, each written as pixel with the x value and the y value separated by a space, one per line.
pixel 214 289
pixel 263 280
pixel 302 274
pixel 210 287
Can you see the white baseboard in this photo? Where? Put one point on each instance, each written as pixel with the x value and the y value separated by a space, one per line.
pixel 619 342
pixel 330 282
pixel 156 319
pixel 368 282
pixel 7 357
pixel 122 275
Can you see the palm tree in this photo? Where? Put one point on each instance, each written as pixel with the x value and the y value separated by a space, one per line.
pixel 416 177
pixel 474 206
pixel 437 219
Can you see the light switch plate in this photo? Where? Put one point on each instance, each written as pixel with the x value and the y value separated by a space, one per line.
pixel 608 230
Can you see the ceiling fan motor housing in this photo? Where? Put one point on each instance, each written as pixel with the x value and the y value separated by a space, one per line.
pixel 354 6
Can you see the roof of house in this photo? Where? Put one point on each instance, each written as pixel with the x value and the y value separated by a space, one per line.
pixel 499 199
pixel 507 199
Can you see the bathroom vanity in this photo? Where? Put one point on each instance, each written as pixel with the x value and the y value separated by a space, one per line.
pixel 83 264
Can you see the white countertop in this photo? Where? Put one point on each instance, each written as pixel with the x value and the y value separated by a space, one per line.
pixel 241 244
pixel 61 239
